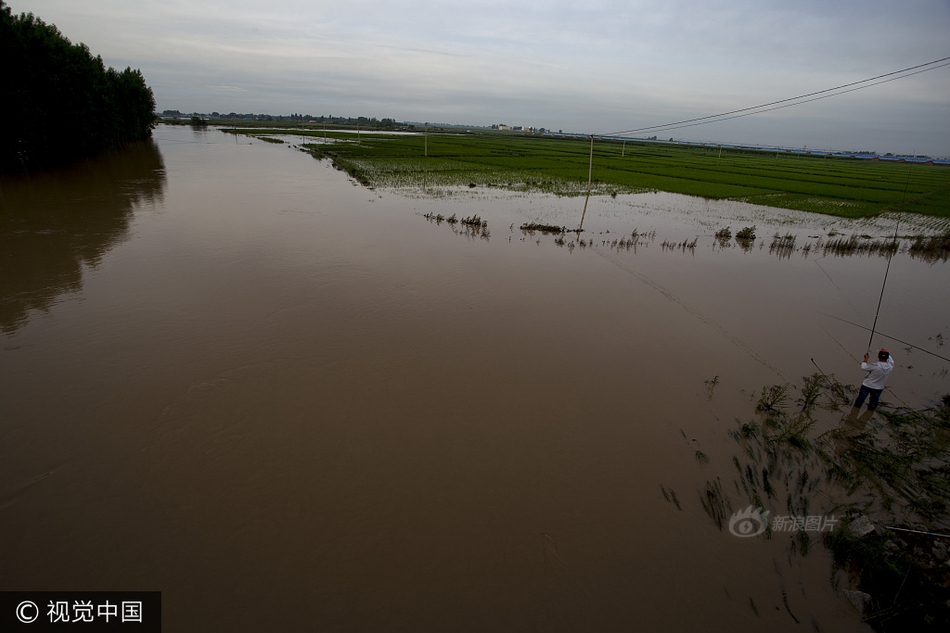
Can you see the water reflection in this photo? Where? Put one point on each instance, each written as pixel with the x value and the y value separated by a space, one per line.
pixel 53 224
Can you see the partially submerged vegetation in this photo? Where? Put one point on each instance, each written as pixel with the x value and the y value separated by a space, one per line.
pixel 746 235
pixel 685 245
pixel 931 248
pixel 782 245
pixel 472 226
pixel 886 482
pixel 836 186
pixel 855 246
pixel 531 227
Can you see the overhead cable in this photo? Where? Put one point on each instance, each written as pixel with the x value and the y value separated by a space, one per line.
pixel 797 100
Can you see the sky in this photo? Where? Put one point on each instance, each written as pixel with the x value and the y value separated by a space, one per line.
pixel 588 67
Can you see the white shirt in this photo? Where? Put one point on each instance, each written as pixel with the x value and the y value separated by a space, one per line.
pixel 877 373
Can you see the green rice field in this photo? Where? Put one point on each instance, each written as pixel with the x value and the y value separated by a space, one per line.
pixel 836 186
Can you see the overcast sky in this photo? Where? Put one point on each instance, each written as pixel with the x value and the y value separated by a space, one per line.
pixel 592 66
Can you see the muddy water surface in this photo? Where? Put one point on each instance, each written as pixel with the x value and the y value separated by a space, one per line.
pixel 292 403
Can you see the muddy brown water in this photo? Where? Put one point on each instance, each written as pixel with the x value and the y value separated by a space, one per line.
pixel 291 403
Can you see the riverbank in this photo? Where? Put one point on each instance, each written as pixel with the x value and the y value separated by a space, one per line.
pixel 843 187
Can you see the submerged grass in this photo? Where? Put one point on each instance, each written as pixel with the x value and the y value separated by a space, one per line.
pixel 894 471
pixel 745 235
pixel 473 226
pixel 531 227
pixel 931 248
pixel 685 245
pixel 860 246
pixel 836 186
pixel 907 593
pixel 783 245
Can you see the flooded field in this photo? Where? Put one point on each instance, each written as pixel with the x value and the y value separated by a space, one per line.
pixel 289 402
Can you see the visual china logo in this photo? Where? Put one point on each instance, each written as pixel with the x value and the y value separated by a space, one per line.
pixel 91 611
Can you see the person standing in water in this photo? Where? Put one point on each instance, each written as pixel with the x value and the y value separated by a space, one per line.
pixel 877 376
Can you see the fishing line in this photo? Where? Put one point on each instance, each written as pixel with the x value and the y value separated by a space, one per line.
pixel 889 527
pixel 926 351
pixel 883 285
pixel 906 406
pixel 846 298
pixel 735 340
pixel 836 341
pixel 890 255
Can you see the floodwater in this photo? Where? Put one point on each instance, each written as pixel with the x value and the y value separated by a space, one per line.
pixel 292 403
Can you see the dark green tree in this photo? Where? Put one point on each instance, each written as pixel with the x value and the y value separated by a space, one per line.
pixel 60 103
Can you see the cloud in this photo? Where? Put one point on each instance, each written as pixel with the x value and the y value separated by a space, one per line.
pixel 593 66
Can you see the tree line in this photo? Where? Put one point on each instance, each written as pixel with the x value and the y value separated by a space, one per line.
pixel 60 102
pixel 362 121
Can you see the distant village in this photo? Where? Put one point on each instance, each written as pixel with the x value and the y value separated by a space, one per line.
pixel 391 124
pixel 518 128
pixel 860 155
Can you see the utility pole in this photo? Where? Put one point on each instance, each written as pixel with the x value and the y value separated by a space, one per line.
pixel 590 171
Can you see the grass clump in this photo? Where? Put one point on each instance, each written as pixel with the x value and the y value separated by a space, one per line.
pixel 475 222
pixel 473 226
pixel 782 245
pixel 531 227
pixel 860 246
pixel 670 495
pixel 746 235
pixel 685 245
pixel 931 248
pixel 773 399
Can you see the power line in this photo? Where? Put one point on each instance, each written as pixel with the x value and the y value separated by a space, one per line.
pixel 798 100
pixel 867 329
pixel 789 105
